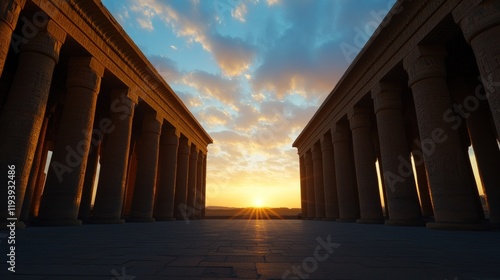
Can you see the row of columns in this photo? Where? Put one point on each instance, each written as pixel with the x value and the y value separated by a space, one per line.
pixel 160 175
pixel 338 173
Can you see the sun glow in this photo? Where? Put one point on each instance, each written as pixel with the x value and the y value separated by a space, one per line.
pixel 258 202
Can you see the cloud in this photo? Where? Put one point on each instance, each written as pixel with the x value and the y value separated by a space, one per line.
pixel 239 12
pixel 225 90
pixel 167 68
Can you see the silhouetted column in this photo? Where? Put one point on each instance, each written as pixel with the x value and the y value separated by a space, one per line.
pixel 329 178
pixel 131 179
pixel 481 28
pixel 199 185
pixel 303 186
pixel 144 190
pixel 89 181
pixel 401 191
pixel 164 205
pixel 204 187
pixel 364 160
pixel 9 14
pixel 114 164
pixel 448 172
pixel 61 197
pixel 191 193
pixel 22 117
pixel 319 191
pixel 344 170
pixel 182 179
pixel 311 199
pixel 37 194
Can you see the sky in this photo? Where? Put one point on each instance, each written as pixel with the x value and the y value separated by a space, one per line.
pixel 253 73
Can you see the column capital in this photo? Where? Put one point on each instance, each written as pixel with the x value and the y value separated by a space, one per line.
pixel 48 41
pixel 359 117
pixel 121 104
pixel 184 146
pixel 152 123
pixel 386 95
pixel 425 62
pixel 84 72
pixel 475 16
pixel 308 157
pixel 326 141
pixel 9 11
pixel 170 136
pixel 194 152
pixel 316 151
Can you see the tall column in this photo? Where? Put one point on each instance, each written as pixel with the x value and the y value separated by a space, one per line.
pixel 144 189
pixel 131 179
pixel 481 28
pixel 303 187
pixel 401 192
pixel 204 188
pixel 199 185
pixel 114 164
pixel 25 108
pixel 33 177
pixel 191 192
pixel 9 14
pixel 423 190
pixel 448 172
pixel 182 179
pixel 37 194
pixel 364 160
pixel 344 169
pixel 311 199
pixel 89 181
pixel 61 197
pixel 329 178
pixel 164 205
pixel 319 190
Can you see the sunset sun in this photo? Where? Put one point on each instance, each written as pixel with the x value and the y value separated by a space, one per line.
pixel 258 202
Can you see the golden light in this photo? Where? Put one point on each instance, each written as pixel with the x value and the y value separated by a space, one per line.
pixel 258 202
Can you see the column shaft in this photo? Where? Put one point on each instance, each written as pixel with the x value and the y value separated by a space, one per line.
pixel 164 205
pixel 481 28
pixel 448 172
pixel 303 187
pixel 311 199
pixel 191 193
pixel 204 188
pixel 199 185
pixel 22 117
pixel 37 194
pixel 329 178
pixel 9 14
pixel 182 179
pixel 401 192
pixel 319 190
pixel 366 174
pixel 423 190
pixel 144 189
pixel 344 169
pixel 114 164
pixel 89 182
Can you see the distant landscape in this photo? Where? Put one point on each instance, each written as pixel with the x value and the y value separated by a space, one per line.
pixel 221 212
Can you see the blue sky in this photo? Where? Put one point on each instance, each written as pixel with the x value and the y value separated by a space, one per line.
pixel 253 73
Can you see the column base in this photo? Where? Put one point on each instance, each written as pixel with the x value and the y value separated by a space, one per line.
pixel 165 219
pixel 56 223
pixel 346 220
pixel 368 221
pixel 456 226
pixel 417 223
pixel 329 219
pixel 104 221
pixel 140 220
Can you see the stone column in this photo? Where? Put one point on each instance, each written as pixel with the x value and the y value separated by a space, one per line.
pixel 199 185
pixel 329 178
pixel 448 173
pixel 164 205
pixel 423 190
pixel 204 187
pixel 180 201
pixel 303 186
pixel 311 204
pixel 364 160
pixel 114 164
pixel 402 197
pixel 9 14
pixel 131 179
pixel 344 169
pixel 191 192
pixel 35 168
pixel 22 117
pixel 61 197
pixel 88 182
pixel 319 191
pixel 144 189
pixel 481 28
pixel 37 194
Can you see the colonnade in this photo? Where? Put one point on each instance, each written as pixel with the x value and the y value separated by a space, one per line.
pixel 77 108
pixel 427 105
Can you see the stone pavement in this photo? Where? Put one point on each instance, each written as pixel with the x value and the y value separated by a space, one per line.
pixel 249 249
